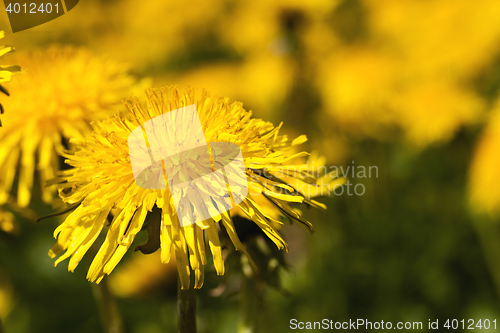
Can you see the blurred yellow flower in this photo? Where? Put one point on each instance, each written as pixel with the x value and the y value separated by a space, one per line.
pixel 102 184
pixel 444 38
pixel 7 221
pixel 484 193
pixel 434 111
pixel 62 91
pixel 252 27
pixel 264 80
pixel 356 82
pixel 159 29
pixel 410 70
pixel 264 67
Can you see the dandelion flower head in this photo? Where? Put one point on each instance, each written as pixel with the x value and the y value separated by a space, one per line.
pixel 61 92
pixel 102 187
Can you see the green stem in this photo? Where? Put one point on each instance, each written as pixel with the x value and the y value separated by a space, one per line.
pixel 250 303
pixel 108 310
pixel 186 308
pixel 488 233
pixel 2 330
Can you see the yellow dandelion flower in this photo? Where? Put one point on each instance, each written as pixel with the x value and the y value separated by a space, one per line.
pixel 6 71
pixel 265 80
pixel 356 83
pixel 415 111
pixel 484 195
pixel 187 24
pixel 7 221
pixel 258 25
pixel 444 38
pixel 103 188
pixel 405 75
pixel 62 91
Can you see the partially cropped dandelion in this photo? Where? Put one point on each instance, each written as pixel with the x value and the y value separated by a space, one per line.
pixel 62 91
pixel 484 174
pixel 6 70
pixel 103 188
pixel 407 76
pixel 7 221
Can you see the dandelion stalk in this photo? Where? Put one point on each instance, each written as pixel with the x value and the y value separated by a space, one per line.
pixel 108 310
pixel 488 233
pixel 250 304
pixel 186 308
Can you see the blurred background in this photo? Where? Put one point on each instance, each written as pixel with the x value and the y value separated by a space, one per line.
pixel 409 87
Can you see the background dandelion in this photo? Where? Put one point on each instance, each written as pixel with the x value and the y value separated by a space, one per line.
pixel 61 92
